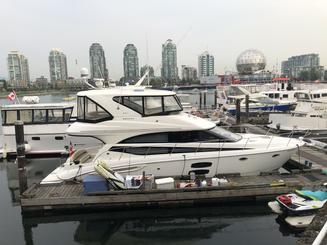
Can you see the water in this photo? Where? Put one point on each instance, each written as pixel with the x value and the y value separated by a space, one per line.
pixel 250 223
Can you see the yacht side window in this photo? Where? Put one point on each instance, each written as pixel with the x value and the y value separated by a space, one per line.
pixel 90 111
pixel 67 114
pixel 11 117
pixel 26 116
pixel 171 104
pixel 135 103
pixel 40 116
pixel 324 95
pixel 152 105
pixel 55 116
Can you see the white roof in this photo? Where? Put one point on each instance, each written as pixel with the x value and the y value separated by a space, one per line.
pixel 37 106
pixel 126 91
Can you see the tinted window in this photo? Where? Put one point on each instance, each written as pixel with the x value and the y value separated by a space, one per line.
pixel 11 117
pixel 134 103
pixel 324 95
pixel 55 116
pixel 152 105
pixel 26 116
pixel 213 135
pixel 171 104
pixel 285 95
pixel 40 116
pixel 80 108
pixel 67 115
pixel 90 111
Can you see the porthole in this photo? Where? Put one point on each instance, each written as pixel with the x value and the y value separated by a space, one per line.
pixel 243 158
pixel 35 138
pixel 275 155
pixel 201 165
pixel 199 172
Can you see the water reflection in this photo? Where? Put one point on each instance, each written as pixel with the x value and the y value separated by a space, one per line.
pixel 152 226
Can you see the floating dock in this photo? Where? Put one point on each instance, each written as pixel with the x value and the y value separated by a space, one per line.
pixel 70 196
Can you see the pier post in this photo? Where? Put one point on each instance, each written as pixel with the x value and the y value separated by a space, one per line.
pixel 204 99
pixel 238 111
pixel 20 148
pixel 215 98
pixel 200 104
pixel 247 99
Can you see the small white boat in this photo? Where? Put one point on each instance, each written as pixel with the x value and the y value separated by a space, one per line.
pixel 299 221
pixel 307 116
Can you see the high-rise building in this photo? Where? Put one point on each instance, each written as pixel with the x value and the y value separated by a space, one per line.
pixel 169 70
pixel 145 68
pixel 294 65
pixel 98 65
pixel 131 63
pixel 189 73
pixel 58 66
pixel 206 63
pixel 18 69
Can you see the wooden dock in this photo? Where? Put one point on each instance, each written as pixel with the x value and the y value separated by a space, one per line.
pixel 70 197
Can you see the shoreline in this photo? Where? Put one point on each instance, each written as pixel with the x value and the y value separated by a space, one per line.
pixel 3 95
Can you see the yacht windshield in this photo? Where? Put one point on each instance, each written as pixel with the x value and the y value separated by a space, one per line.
pixel 223 133
pixel 150 105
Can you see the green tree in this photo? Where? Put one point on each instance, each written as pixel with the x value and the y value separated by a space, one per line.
pixel 304 76
pixel 314 74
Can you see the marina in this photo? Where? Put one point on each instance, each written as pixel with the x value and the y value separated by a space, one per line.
pixel 305 168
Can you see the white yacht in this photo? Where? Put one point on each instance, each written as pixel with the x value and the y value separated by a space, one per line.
pixel 45 126
pixel 257 101
pixel 307 116
pixel 146 130
pixel 319 95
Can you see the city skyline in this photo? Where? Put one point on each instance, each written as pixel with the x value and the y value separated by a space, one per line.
pixel 282 33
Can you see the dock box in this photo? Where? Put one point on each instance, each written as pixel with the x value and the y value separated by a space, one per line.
pixel 165 183
pixel 94 183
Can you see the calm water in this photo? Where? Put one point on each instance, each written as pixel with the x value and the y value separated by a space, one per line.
pixel 234 224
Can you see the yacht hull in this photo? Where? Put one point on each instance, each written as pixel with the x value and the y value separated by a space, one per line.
pixel 203 163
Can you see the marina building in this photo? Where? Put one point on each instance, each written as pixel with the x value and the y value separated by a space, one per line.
pixel 145 68
pixel 131 63
pixel 18 70
pixel 98 65
pixel 206 64
pixel 58 66
pixel 295 65
pixel 189 73
pixel 169 70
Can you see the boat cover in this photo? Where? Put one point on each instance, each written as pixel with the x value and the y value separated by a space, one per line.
pixel 314 195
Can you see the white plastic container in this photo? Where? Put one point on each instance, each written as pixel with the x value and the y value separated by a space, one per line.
pixel 165 183
pixel 215 181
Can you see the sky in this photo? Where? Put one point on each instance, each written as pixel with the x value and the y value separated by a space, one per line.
pixel 278 28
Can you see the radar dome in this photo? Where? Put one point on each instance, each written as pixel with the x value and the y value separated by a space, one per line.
pixel 84 72
pixel 250 61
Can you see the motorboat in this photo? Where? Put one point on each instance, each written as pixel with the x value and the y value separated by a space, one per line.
pixel 144 129
pixel 298 209
pixel 307 116
pixel 257 101
pixel 45 126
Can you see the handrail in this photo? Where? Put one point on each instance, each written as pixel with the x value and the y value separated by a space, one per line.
pixel 319 239
pixel 198 147
pixel 246 143
pixel 270 142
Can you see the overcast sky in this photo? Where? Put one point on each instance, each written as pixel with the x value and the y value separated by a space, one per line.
pixel 278 28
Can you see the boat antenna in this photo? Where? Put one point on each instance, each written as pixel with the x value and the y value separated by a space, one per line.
pixel 147 58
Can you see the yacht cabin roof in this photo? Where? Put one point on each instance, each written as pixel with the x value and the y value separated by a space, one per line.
pixel 37 106
pixel 127 91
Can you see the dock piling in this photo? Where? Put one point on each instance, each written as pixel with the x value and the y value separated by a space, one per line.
pixel 21 160
pixel 247 99
pixel 200 104
pixel 238 111
pixel 215 99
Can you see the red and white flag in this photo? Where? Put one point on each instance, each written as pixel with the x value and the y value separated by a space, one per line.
pixel 11 96
pixel 71 149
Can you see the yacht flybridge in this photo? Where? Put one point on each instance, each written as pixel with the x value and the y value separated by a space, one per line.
pixel 146 130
